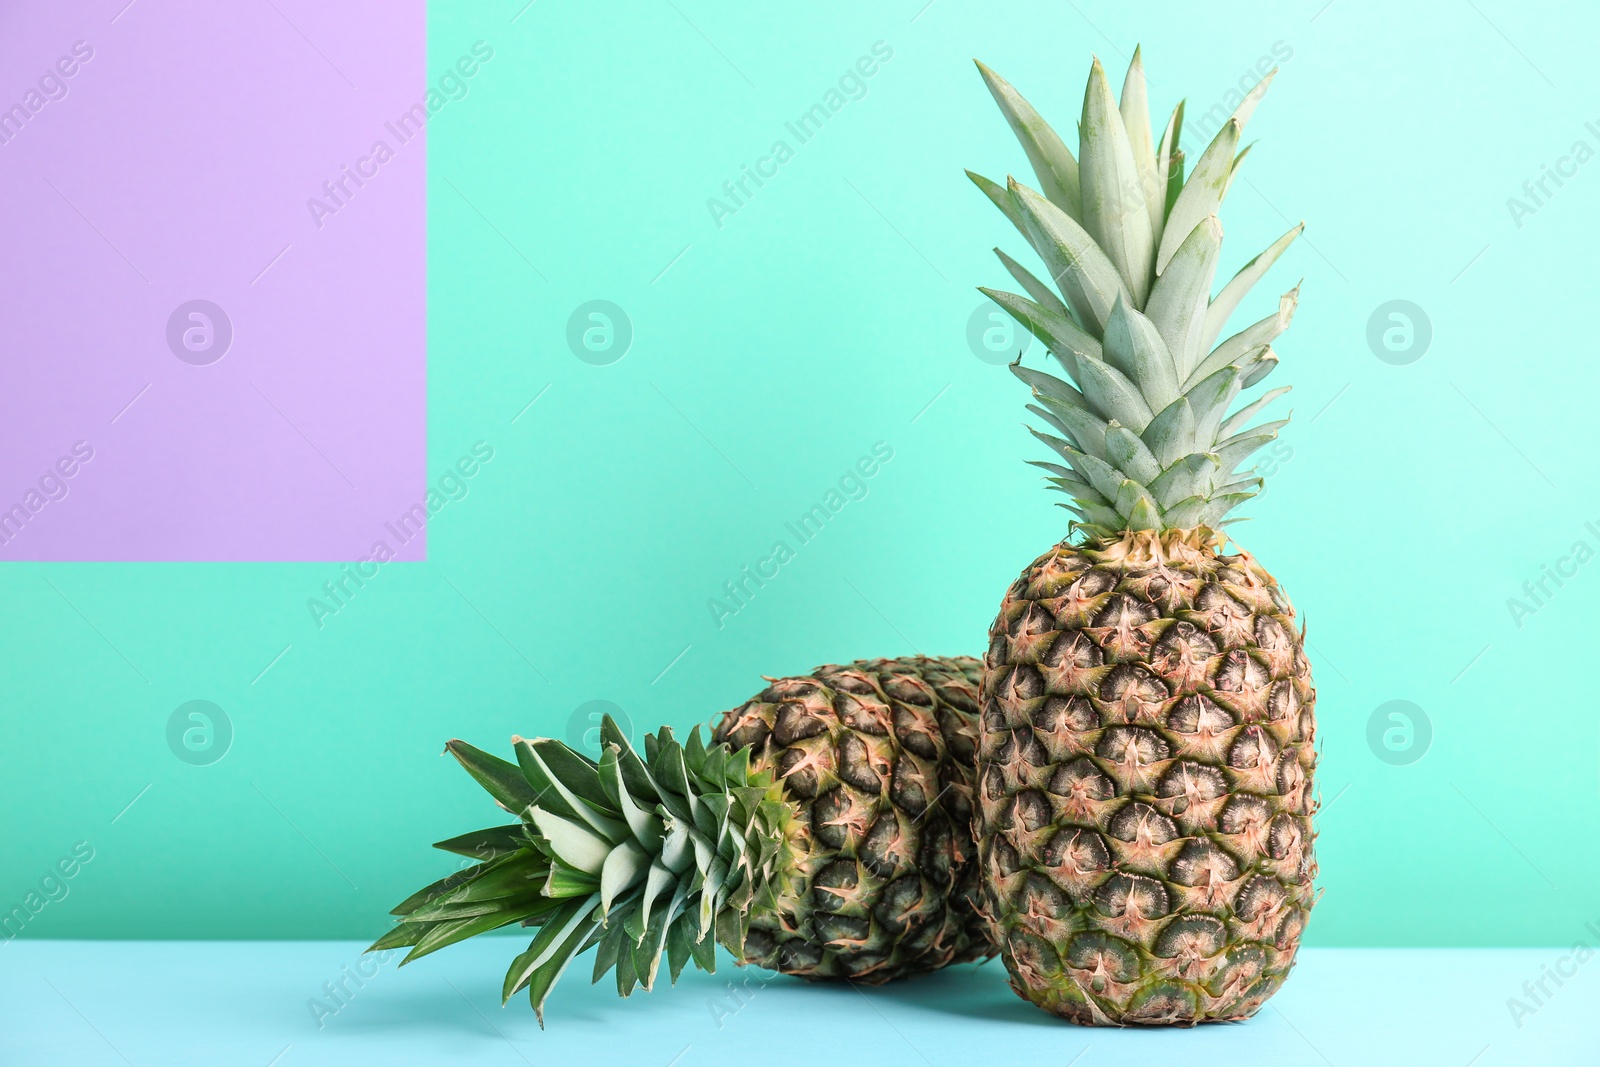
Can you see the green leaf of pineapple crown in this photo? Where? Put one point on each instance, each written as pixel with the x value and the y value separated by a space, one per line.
pixel 641 858
pixel 1142 425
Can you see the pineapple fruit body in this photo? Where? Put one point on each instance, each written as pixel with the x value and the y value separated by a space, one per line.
pixel 877 758
pixel 1145 781
pixel 1146 739
pixel 825 832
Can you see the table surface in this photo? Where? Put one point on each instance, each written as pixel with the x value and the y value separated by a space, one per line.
pixel 256 1003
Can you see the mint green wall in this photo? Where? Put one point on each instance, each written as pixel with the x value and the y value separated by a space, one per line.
pixel 823 317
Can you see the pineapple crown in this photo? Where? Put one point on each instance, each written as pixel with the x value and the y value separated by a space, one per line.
pixel 1144 429
pixel 640 857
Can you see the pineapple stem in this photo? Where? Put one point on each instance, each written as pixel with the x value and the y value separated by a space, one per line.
pixel 637 857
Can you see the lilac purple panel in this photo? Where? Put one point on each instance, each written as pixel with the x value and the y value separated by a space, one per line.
pixel 213 275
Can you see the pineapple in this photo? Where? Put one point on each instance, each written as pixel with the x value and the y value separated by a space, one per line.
pixel 825 833
pixel 1146 736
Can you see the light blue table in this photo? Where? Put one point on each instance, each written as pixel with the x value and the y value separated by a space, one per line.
pixel 222 1004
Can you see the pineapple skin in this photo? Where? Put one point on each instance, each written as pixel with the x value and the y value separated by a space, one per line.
pixel 878 759
pixel 1145 774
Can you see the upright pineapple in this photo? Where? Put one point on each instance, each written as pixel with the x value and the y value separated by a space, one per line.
pixel 1145 755
pixel 825 834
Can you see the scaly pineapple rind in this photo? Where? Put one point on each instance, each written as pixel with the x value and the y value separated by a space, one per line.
pixel 877 756
pixel 1146 791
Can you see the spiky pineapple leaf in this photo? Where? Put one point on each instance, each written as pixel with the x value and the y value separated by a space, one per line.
pixel 1086 277
pixel 445 886
pixel 1059 333
pixel 1235 450
pixel 1001 198
pixel 1115 211
pixel 572 774
pixel 1252 337
pixel 1041 293
pixel 1112 395
pixel 1126 452
pixel 1235 423
pixel 1179 299
pixel 502 780
pixel 1134 346
pixel 1210 399
pixel 445 910
pixel 1105 478
pixel 1257 365
pixel 1193 475
pixel 615 855
pixel 487 844
pixel 1171 434
pixel 1247 107
pixel 403 935
pixel 1052 162
pixel 1202 193
pixel 1081 430
pixel 1169 173
pixel 1134 104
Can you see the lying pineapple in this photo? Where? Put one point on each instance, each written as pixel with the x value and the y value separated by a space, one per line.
pixel 825 834
pixel 1145 756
